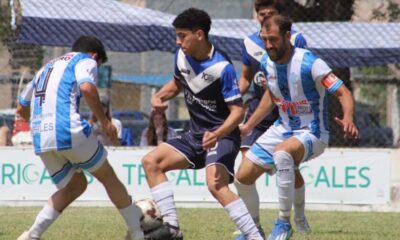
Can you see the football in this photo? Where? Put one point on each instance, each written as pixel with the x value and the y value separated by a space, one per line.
pixel 151 216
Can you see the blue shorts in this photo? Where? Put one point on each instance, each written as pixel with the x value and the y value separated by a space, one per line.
pixel 224 153
pixel 251 138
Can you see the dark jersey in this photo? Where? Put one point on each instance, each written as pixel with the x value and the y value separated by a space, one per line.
pixel 209 86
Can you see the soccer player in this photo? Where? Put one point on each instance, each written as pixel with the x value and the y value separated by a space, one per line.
pixel 297 83
pixel 63 138
pixel 253 50
pixel 214 102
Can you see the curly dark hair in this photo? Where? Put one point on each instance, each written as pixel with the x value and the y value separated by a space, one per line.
pixel 193 19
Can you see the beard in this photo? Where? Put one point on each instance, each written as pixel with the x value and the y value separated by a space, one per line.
pixel 276 54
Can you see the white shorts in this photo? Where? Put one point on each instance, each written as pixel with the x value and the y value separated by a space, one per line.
pixel 62 165
pixel 261 152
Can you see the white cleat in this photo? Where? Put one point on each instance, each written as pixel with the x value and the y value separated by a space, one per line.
pixel 25 236
pixel 302 225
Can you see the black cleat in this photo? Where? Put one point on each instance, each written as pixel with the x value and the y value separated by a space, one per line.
pixel 165 232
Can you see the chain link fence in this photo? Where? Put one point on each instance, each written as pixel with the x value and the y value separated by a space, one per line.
pixel 130 78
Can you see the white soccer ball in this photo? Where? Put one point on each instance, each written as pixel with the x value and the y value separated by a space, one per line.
pixel 151 215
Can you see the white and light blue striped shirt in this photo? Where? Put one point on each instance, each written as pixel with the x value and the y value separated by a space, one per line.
pixel 54 97
pixel 299 88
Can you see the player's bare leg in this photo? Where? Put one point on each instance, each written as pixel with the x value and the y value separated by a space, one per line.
pixel 55 205
pixel 120 198
pixel 156 164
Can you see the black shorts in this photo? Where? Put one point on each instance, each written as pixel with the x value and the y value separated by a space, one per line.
pixel 251 138
pixel 223 153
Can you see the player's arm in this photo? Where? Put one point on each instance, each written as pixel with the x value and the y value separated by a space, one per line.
pixel 245 79
pixel 91 95
pixel 321 72
pixel 264 108
pixel 24 101
pixel 168 91
pixel 247 71
pixel 347 123
pixel 235 117
pixel 85 73
pixel 233 99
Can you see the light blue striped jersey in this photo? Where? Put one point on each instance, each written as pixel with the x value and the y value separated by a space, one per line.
pixel 252 51
pixel 299 89
pixel 54 97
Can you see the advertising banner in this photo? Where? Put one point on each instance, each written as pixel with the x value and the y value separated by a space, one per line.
pixel 337 176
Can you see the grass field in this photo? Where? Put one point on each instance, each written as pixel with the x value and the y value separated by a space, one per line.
pixel 104 223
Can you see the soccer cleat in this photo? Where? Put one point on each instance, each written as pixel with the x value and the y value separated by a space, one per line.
pixel 302 225
pixel 241 236
pixel 165 232
pixel 25 236
pixel 282 230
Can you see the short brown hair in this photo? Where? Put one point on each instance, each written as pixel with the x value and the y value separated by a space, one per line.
pixel 266 3
pixel 284 23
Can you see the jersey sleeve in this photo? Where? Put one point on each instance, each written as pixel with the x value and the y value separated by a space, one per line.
pixel 230 86
pixel 245 55
pixel 321 72
pixel 86 71
pixel 26 95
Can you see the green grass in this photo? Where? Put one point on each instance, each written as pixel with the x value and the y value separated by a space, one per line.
pixel 99 223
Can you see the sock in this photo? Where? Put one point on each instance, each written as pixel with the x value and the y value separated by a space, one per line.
pixel 131 215
pixel 249 195
pixel 241 217
pixel 43 221
pixel 299 202
pixel 164 197
pixel 285 181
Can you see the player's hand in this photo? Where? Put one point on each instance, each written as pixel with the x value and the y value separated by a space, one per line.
pixel 210 139
pixel 244 131
pixel 111 132
pixel 158 105
pixel 349 128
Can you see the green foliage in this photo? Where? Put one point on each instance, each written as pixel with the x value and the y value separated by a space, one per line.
pixel 101 223
pixel 5 27
pixel 377 70
pixel 389 13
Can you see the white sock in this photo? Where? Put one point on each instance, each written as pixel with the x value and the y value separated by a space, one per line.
pixel 131 215
pixel 43 221
pixel 249 195
pixel 164 197
pixel 299 202
pixel 241 217
pixel 285 181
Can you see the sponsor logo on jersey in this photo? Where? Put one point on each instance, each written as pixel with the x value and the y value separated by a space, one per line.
pixel 258 53
pixel 207 77
pixel 301 107
pixel 185 71
pixel 259 80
